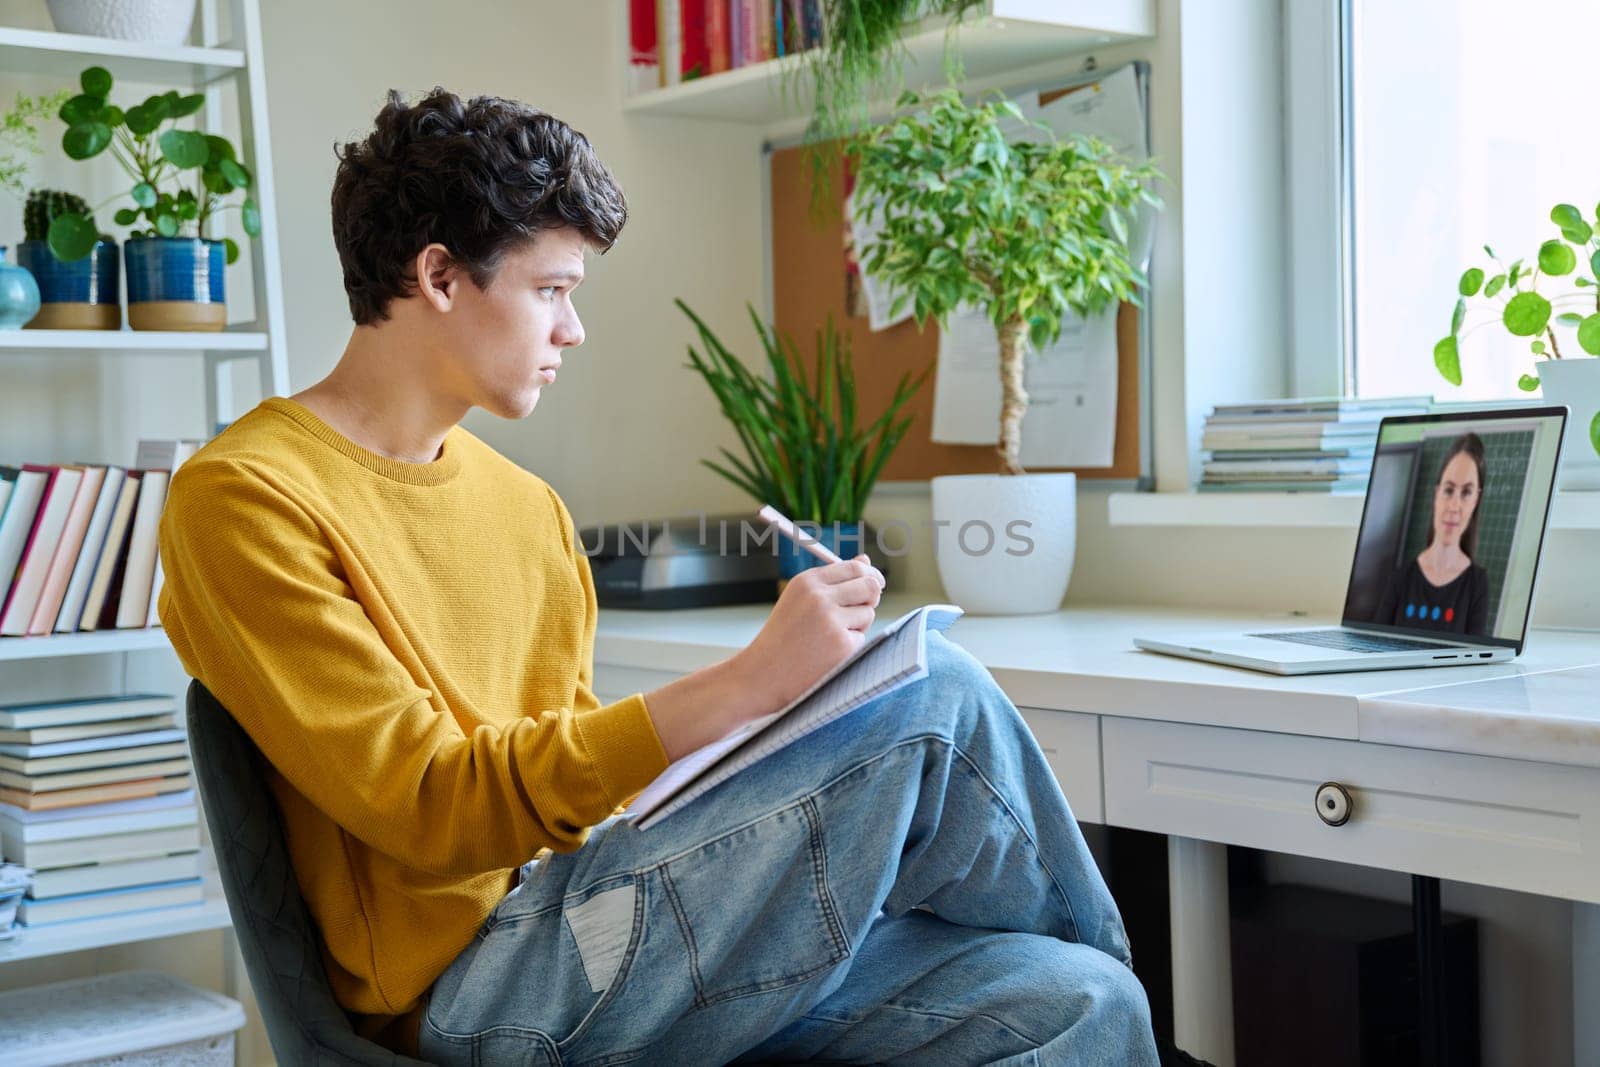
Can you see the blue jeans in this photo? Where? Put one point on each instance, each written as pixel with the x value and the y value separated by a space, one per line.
pixel 905 885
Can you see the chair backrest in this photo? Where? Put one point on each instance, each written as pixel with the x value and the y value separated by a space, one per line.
pixel 281 947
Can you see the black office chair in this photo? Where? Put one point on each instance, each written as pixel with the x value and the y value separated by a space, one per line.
pixel 282 949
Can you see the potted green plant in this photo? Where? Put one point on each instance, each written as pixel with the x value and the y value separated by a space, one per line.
pixel 182 180
pixel 19 141
pixel 1512 298
pixel 804 450
pixel 1031 231
pixel 76 294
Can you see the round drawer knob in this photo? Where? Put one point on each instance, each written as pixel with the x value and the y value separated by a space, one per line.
pixel 1333 803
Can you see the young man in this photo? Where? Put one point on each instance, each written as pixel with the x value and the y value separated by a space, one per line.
pixel 401 620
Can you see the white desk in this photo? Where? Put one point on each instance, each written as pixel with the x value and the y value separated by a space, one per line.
pixel 1489 774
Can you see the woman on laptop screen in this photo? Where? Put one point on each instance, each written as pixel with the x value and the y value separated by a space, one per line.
pixel 1443 588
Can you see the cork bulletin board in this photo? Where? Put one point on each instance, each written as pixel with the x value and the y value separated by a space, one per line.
pixel 809 281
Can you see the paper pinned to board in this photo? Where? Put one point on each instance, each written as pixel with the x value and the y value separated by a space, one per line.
pixel 1072 390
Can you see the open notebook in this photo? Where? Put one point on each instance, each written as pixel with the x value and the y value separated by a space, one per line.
pixel 895 656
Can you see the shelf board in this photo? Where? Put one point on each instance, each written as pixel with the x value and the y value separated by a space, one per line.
pixel 768 93
pixel 134 340
pixel 94 642
pixel 1571 509
pixel 65 55
pixel 53 940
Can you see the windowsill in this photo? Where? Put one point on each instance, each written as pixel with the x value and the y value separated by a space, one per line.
pixel 1572 510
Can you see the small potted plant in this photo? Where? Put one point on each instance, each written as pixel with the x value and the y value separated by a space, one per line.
pixel 805 453
pixel 75 294
pixel 1566 373
pixel 1031 231
pixel 19 141
pixel 175 272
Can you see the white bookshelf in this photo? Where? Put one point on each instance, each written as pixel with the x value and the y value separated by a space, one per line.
pixel 209 67
pixel 1003 36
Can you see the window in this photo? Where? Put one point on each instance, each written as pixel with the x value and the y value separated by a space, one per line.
pixel 1466 121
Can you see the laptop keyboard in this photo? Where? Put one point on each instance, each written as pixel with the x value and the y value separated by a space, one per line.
pixel 1349 641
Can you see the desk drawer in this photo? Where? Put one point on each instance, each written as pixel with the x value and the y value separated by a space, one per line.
pixel 1500 822
pixel 1071 743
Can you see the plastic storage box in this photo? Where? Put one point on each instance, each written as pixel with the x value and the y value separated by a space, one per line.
pixel 128 1018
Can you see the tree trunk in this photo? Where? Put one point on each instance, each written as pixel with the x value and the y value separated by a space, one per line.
pixel 1013 397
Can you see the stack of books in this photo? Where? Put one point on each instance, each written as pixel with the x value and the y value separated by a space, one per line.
pixel 78 543
pixel 674 41
pixel 97 800
pixel 1321 445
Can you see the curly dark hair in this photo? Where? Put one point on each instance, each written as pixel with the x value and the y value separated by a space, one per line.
pixel 479 177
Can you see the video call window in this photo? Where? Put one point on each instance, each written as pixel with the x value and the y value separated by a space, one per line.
pixel 1453 523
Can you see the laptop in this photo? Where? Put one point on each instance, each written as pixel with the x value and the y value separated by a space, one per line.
pixel 1454 521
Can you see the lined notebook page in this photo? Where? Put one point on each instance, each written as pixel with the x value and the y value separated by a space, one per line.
pixel 894 657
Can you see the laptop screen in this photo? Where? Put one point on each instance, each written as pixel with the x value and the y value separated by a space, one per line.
pixel 1453 524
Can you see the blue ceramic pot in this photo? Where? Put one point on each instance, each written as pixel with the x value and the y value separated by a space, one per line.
pixel 19 295
pixel 84 294
pixel 845 539
pixel 175 283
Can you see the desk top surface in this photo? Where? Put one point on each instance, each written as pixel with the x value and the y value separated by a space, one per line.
pixel 1539 706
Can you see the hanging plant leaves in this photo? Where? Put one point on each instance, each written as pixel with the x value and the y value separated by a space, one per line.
pixel 185 148
pixel 1527 314
pixel 72 236
pixel 250 218
pixel 1447 358
pixel 85 140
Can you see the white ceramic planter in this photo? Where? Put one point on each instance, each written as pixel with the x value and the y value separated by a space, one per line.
pixel 1005 543
pixel 156 21
pixel 1575 383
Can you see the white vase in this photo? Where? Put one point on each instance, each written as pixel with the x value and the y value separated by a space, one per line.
pixel 156 21
pixel 1576 383
pixel 1005 543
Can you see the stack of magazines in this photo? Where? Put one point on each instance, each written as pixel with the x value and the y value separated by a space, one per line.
pixel 1321 445
pixel 97 801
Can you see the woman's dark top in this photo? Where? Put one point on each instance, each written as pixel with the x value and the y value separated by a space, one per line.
pixel 1460 606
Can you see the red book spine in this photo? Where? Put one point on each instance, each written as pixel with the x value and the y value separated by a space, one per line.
pixel 718 42
pixel 696 58
pixel 642 33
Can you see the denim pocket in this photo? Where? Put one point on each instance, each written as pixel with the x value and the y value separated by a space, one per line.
pixel 754 907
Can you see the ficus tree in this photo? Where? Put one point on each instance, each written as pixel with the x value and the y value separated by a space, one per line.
pixel 1511 297
pixel 1031 229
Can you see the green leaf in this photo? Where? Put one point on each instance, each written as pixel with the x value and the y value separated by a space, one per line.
pixel 1578 234
pixel 1459 314
pixel 187 105
pixel 1495 284
pixel 126 216
pixel 185 148
pixel 235 173
pixel 211 177
pixel 1589 335
pixel 1514 273
pixel 1527 383
pixel 1447 358
pixel 1470 282
pixel 1582 283
pixel 1557 258
pixel 221 148
pixel 1594 263
pixel 1489 251
pixel 142 120
pixel 1565 216
pixel 250 218
pixel 1594 431
pixel 96 81
pixel 231 249
pixel 1569 318
pixel 86 140
pixel 144 194
pixel 112 116
pixel 1537 348
pixel 72 236
pixel 1526 314
pixel 81 109
pixel 167 224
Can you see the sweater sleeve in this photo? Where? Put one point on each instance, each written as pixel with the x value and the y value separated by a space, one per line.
pixel 257 604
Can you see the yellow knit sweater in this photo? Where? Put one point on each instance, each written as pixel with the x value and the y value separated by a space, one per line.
pixel 411 647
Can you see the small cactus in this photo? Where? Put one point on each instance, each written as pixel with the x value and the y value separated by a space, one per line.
pixel 43 206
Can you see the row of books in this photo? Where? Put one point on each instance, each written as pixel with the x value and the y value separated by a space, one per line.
pixel 97 803
pixel 673 41
pixel 78 542
pixel 1321 445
